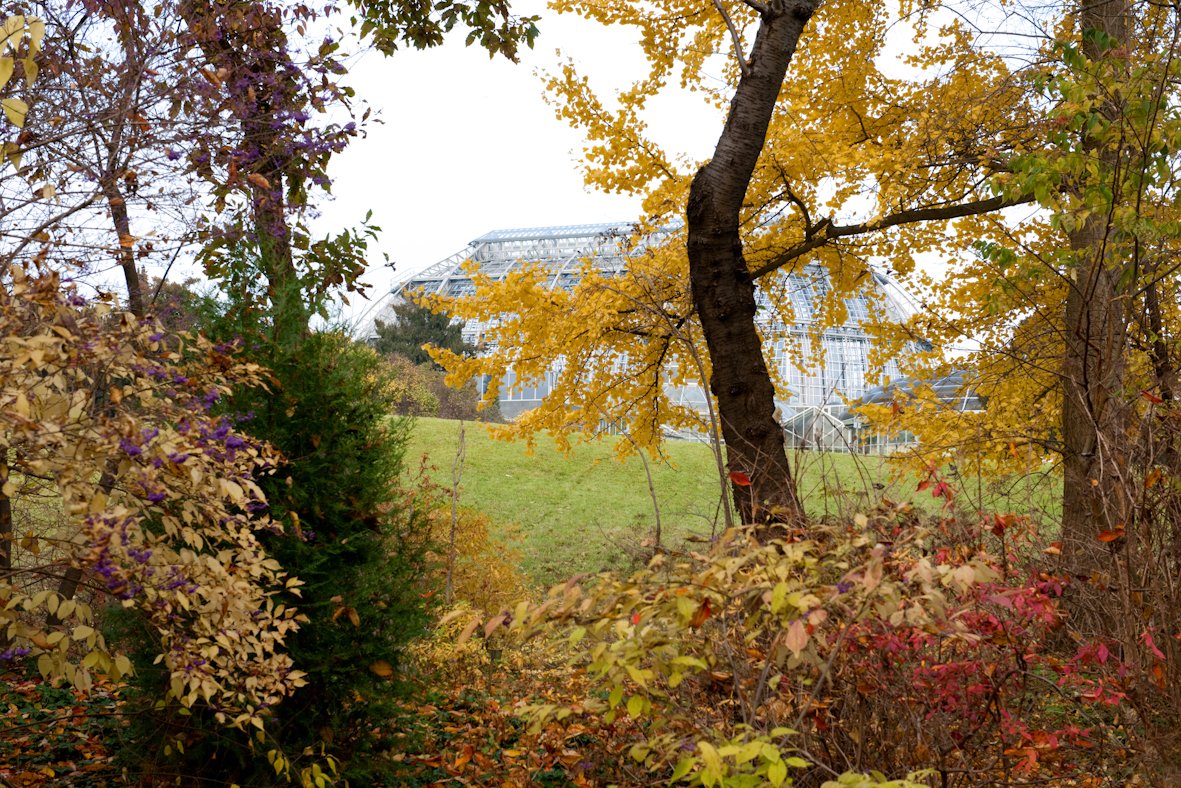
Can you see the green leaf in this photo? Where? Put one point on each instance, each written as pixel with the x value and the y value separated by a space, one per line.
pixel 684 766
pixel 777 773
pixel 635 706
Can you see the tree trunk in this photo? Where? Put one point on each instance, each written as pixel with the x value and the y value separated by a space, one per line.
pixel 6 538
pixel 118 207
pixel 1097 489
pixel 252 50
pixel 722 286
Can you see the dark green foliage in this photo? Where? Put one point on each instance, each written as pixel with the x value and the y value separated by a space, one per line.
pixel 422 25
pixel 415 326
pixel 352 532
pixel 352 535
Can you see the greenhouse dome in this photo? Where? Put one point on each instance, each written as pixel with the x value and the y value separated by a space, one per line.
pixel 823 371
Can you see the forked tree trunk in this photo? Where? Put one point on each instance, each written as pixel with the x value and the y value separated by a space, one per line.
pixel 722 286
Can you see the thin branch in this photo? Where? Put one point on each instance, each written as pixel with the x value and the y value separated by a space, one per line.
pixel 826 231
pixel 743 65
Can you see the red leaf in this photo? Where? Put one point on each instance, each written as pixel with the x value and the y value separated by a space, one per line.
pixel 1110 536
pixel 924 484
pixel 740 478
pixel 1148 641
pixel 703 613
pixel 1153 398
pixel 635 618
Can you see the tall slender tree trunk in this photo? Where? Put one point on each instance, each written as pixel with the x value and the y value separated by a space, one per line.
pixel 1097 489
pixel 722 286
pixel 6 537
pixel 252 52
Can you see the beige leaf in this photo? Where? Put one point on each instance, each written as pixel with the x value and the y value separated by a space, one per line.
pixel 796 638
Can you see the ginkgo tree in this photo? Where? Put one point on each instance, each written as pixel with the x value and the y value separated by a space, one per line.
pixel 1042 173
pixel 828 162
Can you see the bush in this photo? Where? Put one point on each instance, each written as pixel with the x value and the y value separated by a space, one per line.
pixel 420 390
pixel 861 649
pixel 357 538
pixel 355 534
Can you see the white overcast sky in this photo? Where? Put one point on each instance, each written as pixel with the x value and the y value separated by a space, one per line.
pixel 467 145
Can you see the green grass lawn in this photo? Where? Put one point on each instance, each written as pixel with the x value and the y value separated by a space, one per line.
pixel 588 512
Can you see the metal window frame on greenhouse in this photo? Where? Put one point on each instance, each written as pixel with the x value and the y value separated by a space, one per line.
pixel 819 390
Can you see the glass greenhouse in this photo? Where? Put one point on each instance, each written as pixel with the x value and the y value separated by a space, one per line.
pixel 820 384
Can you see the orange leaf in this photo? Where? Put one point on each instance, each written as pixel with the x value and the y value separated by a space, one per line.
pixel 493 623
pixel 703 613
pixel 258 180
pixel 1153 398
pixel 382 668
pixel 467 632
pixel 1110 536
pixel 1055 548
pixel 740 478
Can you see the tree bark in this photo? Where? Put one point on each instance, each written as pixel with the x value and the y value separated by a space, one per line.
pixel 723 287
pixel 1095 443
pixel 6 537
pixel 252 50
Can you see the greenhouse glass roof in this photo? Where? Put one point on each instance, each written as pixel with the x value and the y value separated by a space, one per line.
pixel 821 371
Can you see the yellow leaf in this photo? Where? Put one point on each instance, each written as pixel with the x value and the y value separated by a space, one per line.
pixel 36 34
pixel 30 71
pixel 11 30
pixel 15 110
pixel 6 69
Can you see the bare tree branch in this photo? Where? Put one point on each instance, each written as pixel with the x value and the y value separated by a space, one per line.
pixel 743 66
pixel 826 231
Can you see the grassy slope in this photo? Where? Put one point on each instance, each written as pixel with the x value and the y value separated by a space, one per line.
pixel 589 512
